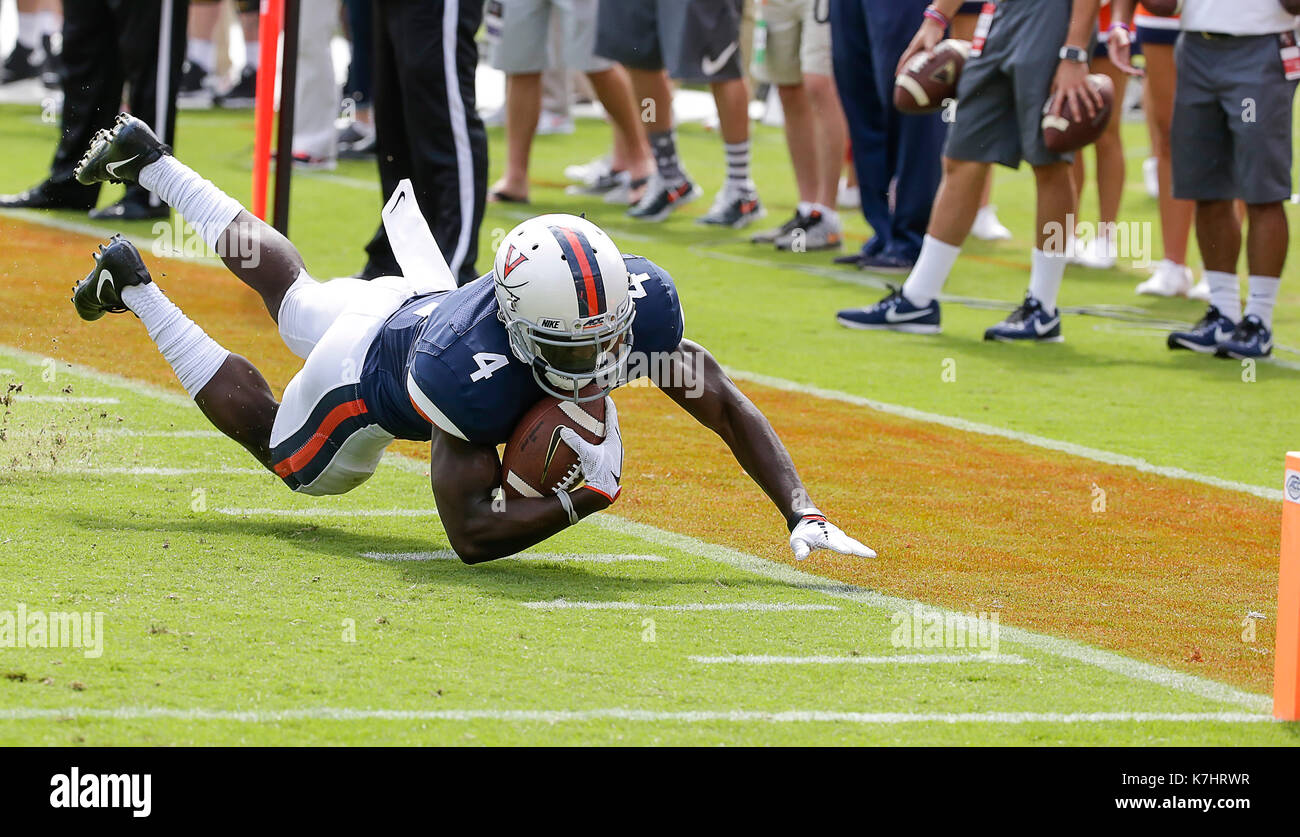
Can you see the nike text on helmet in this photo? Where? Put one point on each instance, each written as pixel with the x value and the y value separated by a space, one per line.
pixel 562 291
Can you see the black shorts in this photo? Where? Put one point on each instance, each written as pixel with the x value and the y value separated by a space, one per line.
pixel 695 40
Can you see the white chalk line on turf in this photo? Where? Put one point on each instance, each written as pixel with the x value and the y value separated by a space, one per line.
pixel 64 399
pixel 795 716
pixel 148 471
pixel 1068 649
pixel 758 607
pixel 449 555
pixel 1071 448
pixel 861 660
pixel 1056 646
pixel 96 376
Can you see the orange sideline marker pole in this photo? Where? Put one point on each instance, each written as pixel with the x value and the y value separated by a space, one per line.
pixel 270 22
pixel 1286 665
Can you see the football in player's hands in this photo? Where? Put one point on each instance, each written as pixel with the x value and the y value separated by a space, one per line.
pixel 1064 132
pixel 930 77
pixel 537 461
pixel 1163 8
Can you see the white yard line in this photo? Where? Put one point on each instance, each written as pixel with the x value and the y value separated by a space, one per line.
pixel 328 511
pixel 1068 649
pixel 63 399
pixel 96 376
pixel 146 471
pixel 761 607
pixel 449 555
pixel 883 660
pixel 1071 448
pixel 143 244
pixel 325 713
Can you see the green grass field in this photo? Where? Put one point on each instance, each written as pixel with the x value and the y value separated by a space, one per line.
pixel 238 613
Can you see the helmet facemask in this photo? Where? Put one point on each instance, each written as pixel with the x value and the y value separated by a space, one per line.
pixel 565 363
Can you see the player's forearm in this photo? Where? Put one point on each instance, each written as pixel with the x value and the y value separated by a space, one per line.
pixel 502 527
pixel 1121 11
pixel 760 452
pixel 1083 22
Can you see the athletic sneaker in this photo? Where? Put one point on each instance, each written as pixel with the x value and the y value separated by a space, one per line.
pixel 601 185
pixel 661 200
pixel 1095 254
pixel 242 94
pixel 795 222
pixel 117 265
pixel 848 197
pixel 1168 279
pixel 733 208
pixel 118 154
pixel 1200 291
pixel 987 227
pixel 1028 322
pixel 1251 339
pixel 192 81
pixel 818 232
pixel 893 313
pixel 1205 337
pixel 20 65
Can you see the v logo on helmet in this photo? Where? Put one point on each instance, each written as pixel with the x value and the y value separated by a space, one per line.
pixel 512 261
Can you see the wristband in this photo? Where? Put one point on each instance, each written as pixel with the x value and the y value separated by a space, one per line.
pixel 802 514
pixel 567 502
pixel 937 16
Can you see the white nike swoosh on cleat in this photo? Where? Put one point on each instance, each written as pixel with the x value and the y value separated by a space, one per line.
pixel 112 168
pixel 713 66
pixel 104 276
pixel 1044 328
pixel 892 316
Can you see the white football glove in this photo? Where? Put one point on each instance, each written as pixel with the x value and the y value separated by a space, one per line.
pixel 602 465
pixel 814 531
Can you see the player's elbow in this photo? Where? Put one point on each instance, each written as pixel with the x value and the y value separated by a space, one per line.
pixel 472 545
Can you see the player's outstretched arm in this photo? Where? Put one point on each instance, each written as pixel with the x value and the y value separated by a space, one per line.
pixel 481 527
pixel 696 381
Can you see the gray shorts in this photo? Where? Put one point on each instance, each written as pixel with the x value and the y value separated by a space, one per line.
pixel 1231 135
pixel 1002 91
pixel 695 40
pixel 526 26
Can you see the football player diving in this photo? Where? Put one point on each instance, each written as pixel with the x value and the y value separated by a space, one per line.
pixel 563 313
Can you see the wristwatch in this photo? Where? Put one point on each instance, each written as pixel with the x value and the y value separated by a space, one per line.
pixel 1078 55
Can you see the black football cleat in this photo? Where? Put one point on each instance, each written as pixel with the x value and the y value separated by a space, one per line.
pixel 117 265
pixel 119 153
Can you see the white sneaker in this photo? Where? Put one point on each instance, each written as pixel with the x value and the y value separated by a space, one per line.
pixel 987 226
pixel 1151 176
pixel 1095 254
pixel 551 124
pixel 1200 291
pixel 849 197
pixel 1168 279
pixel 587 172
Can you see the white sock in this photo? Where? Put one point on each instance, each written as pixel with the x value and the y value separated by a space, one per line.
pixel 29 29
pixel 202 54
pixel 1225 293
pixel 194 356
pixel 49 23
pixel 1263 295
pixel 805 208
pixel 931 271
pixel 1045 276
pixel 208 209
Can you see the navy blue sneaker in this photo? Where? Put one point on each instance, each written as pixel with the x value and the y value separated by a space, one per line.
pixel 1206 335
pixel 1251 339
pixel 894 313
pixel 1028 322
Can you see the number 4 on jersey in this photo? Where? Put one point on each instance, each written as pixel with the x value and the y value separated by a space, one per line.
pixel 488 362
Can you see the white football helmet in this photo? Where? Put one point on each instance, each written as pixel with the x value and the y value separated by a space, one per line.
pixel 562 293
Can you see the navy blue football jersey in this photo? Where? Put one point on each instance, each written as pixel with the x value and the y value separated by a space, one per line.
pixel 445 358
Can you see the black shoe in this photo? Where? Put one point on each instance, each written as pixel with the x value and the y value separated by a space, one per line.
pixel 1251 339
pixel 242 95
pixel 362 149
pixel 1206 336
pixel 19 65
pixel 885 264
pixel 130 209
pixel 192 78
pixel 1030 323
pixel 118 154
pixel 50 195
pixel 52 69
pixel 852 259
pixel 770 236
pixel 117 265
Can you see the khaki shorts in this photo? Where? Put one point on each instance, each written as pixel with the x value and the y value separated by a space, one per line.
pixel 798 40
pixel 525 27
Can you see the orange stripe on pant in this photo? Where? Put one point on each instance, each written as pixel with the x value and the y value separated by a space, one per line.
pixel 313 445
